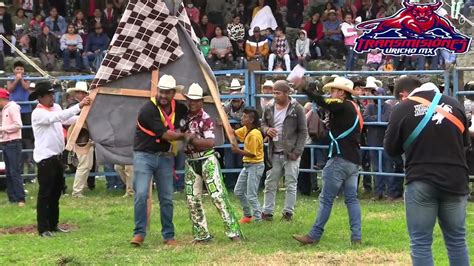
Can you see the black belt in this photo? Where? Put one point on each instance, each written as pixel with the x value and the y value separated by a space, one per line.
pixel 279 152
pixel 58 157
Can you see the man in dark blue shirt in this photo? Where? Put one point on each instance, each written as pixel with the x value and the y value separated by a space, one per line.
pixel 97 43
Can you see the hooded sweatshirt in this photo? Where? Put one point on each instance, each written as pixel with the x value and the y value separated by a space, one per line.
pixel 302 46
pixel 205 48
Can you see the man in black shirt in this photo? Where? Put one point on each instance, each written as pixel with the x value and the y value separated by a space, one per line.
pixel 342 169
pixel 431 129
pixel 155 147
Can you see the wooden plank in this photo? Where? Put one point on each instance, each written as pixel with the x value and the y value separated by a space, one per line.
pixel 220 110
pixel 180 97
pixel 154 82
pixel 124 92
pixel 81 121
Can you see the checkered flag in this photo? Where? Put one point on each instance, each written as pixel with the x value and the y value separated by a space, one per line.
pixel 186 23
pixel 145 40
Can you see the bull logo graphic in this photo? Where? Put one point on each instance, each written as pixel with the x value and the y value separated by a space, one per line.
pixel 414 29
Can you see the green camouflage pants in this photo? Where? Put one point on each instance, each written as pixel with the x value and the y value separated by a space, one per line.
pixel 207 170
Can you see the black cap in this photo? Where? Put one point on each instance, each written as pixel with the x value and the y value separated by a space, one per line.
pixel 41 88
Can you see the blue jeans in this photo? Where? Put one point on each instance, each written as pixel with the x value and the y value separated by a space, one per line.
pixel 246 189
pixel 382 181
pixel 112 181
pixel 336 174
pixel 87 59
pixel 350 57
pixel 160 166
pixel 67 59
pixel 424 203
pixel 12 157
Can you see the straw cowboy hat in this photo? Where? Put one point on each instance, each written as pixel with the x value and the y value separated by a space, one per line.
pixel 83 142
pixel 327 79
pixel 340 83
pixel 167 82
pixel 81 86
pixel 268 83
pixel 194 92
pixel 372 82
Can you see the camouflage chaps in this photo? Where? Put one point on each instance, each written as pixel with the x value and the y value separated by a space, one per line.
pixel 207 169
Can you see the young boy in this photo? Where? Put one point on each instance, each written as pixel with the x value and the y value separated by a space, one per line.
pixel 246 188
pixel 204 47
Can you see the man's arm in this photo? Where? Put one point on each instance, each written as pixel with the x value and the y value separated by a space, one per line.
pixel 265 125
pixel 393 142
pixel 302 131
pixel 44 117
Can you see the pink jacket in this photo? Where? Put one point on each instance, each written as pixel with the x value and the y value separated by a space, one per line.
pixel 11 122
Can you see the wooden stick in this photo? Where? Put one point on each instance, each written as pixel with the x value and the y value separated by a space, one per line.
pixel 81 121
pixel 154 83
pixel 124 92
pixel 217 101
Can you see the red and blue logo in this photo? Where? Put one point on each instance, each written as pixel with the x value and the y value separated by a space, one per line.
pixel 416 29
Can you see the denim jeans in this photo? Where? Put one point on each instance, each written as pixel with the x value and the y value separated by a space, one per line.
pixel 246 189
pixel 282 167
pixel 423 204
pixel 382 182
pixel 87 59
pixel 112 181
pixel 67 59
pixel 160 167
pixel 12 157
pixel 336 174
pixel 350 57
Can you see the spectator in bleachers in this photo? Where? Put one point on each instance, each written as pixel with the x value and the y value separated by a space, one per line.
pixel 270 35
pixel 350 35
pixel 448 59
pixel 240 11
pixel 235 31
pixel 302 49
pixel 120 5
pixel 365 13
pixel 221 48
pixel 10 140
pixel 19 90
pixel 110 19
pixel 382 12
pixel 294 13
pixel 374 59
pixel 28 7
pixel 239 55
pixel 97 18
pixel 207 28
pixel 215 11
pixel 256 47
pixel 60 6
pixel 47 47
pixel 348 8
pixel 56 23
pixel 387 64
pixel 71 46
pixel 20 33
pixel 260 4
pixel 41 7
pixel 80 23
pixel 205 47
pixel 329 7
pixel 315 33
pixel 96 45
pixel 280 51
pixel 6 26
pixel 36 27
pixel 192 11
pixel 332 37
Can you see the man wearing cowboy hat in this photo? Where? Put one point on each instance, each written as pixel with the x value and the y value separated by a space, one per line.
pixel 158 124
pixel 10 140
pixel 84 151
pixel 342 169
pixel 47 122
pixel 202 165
pixel 332 37
pixel 267 88
pixel 284 122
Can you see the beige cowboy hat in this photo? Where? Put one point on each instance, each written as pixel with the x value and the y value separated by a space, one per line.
pixel 81 86
pixel 327 79
pixel 268 83
pixel 167 82
pixel 340 83
pixel 373 83
pixel 2 4
pixel 83 142
pixel 195 92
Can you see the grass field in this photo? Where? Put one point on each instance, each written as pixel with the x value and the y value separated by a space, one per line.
pixel 105 222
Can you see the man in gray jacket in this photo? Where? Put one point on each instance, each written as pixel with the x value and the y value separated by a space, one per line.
pixel 284 123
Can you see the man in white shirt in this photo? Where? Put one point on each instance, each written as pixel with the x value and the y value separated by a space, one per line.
pixel 47 120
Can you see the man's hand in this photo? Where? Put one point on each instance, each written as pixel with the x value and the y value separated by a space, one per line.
pixel 85 102
pixel 18 76
pixel 272 132
pixel 293 156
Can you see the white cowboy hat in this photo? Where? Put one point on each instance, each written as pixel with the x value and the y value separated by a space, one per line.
pixel 268 83
pixel 80 86
pixel 235 85
pixel 167 82
pixel 32 85
pixel 340 83
pixel 372 82
pixel 2 4
pixel 194 92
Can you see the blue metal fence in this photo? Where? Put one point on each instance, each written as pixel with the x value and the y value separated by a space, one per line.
pixel 251 96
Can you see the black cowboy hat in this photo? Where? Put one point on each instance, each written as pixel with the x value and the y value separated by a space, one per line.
pixel 41 89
